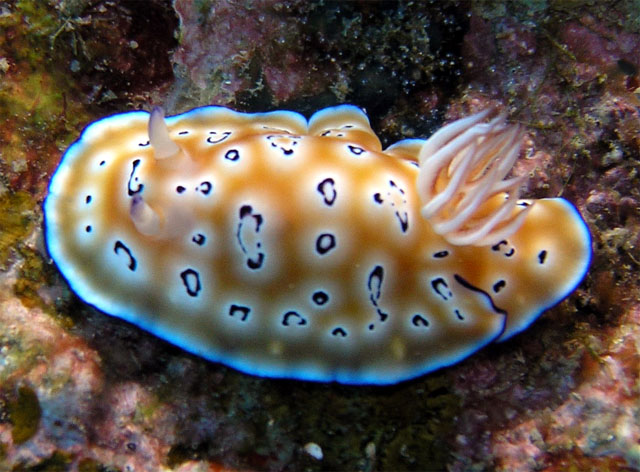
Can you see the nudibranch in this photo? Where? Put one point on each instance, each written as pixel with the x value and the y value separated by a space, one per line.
pixel 287 247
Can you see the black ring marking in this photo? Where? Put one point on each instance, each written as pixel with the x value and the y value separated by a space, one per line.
pixel 88 199
pixel 243 310
pixel 403 217
pixel 320 297
pixel 327 189
pixel 542 255
pixel 404 220
pixel 440 286
pixel 286 151
pixel 419 320
pixel 325 243
pixel 191 280
pixel 339 331
pixel 199 239
pixel 256 259
pixel 255 263
pixel 232 155
pixel 441 254
pixel 356 150
pixel 374 284
pixel 180 189
pixel 295 314
pixel 497 246
pixel 119 245
pixel 395 185
pixel 131 191
pixel 499 285
pixel 204 187
pixel 213 140
pixel 469 286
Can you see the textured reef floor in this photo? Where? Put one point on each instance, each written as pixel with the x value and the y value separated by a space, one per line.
pixel 83 391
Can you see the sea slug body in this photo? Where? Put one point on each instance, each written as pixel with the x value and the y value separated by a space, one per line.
pixel 287 247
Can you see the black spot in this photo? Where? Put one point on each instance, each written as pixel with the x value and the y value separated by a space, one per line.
pixel 88 199
pixel 191 280
pixel 419 320
pixel 499 285
pixel 339 331
pixel 182 133
pixel 355 150
pixel 377 198
pixel 199 239
pixel 466 284
pixel 146 143
pixel 441 254
pixel 180 189
pixel 326 133
pixel 241 310
pixel 232 155
pixel 458 314
pixel 300 320
pixel 325 243
pixel 88 228
pixel 120 246
pixel 320 298
pixel 523 204
pixel 133 178
pixel 245 210
pixel 102 163
pixel 205 187
pixel 214 139
pixel 371 327
pixel 328 191
pixel 542 255
pixel 440 286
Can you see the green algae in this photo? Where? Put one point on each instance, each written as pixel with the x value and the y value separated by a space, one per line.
pixel 24 415
pixel 91 465
pixel 17 221
pixel 57 462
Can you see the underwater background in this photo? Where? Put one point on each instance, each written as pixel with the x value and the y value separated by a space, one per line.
pixel 80 390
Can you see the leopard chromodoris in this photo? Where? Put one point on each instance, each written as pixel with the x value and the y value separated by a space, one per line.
pixel 291 248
